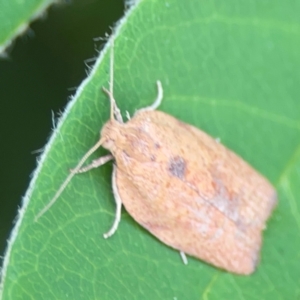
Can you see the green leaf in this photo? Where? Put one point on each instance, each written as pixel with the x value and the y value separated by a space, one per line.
pixel 231 69
pixel 15 16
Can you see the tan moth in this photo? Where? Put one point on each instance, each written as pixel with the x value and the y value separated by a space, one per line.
pixel 188 190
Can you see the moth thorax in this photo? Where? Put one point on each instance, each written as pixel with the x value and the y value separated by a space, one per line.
pixel 137 144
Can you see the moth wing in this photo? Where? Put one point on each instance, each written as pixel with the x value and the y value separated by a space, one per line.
pixel 199 230
pixel 224 178
pixel 215 210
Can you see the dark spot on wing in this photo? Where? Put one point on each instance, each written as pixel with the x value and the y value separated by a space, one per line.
pixel 177 167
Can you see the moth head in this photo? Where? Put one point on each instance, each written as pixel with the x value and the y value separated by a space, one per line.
pixel 110 133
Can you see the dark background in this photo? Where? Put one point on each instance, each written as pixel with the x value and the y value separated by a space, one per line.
pixel 43 68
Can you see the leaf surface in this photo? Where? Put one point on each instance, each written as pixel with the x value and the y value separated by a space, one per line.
pixel 15 16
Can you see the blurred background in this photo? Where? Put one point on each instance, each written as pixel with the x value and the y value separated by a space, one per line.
pixel 41 72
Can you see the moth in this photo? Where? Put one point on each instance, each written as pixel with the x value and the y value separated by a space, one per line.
pixel 183 186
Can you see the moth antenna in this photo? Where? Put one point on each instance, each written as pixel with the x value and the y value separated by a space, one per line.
pixel 68 179
pixel 115 113
pixel 111 68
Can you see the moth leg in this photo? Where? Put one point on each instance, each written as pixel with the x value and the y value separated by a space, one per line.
pixel 157 101
pixel 95 163
pixel 128 115
pixel 183 257
pixel 118 200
